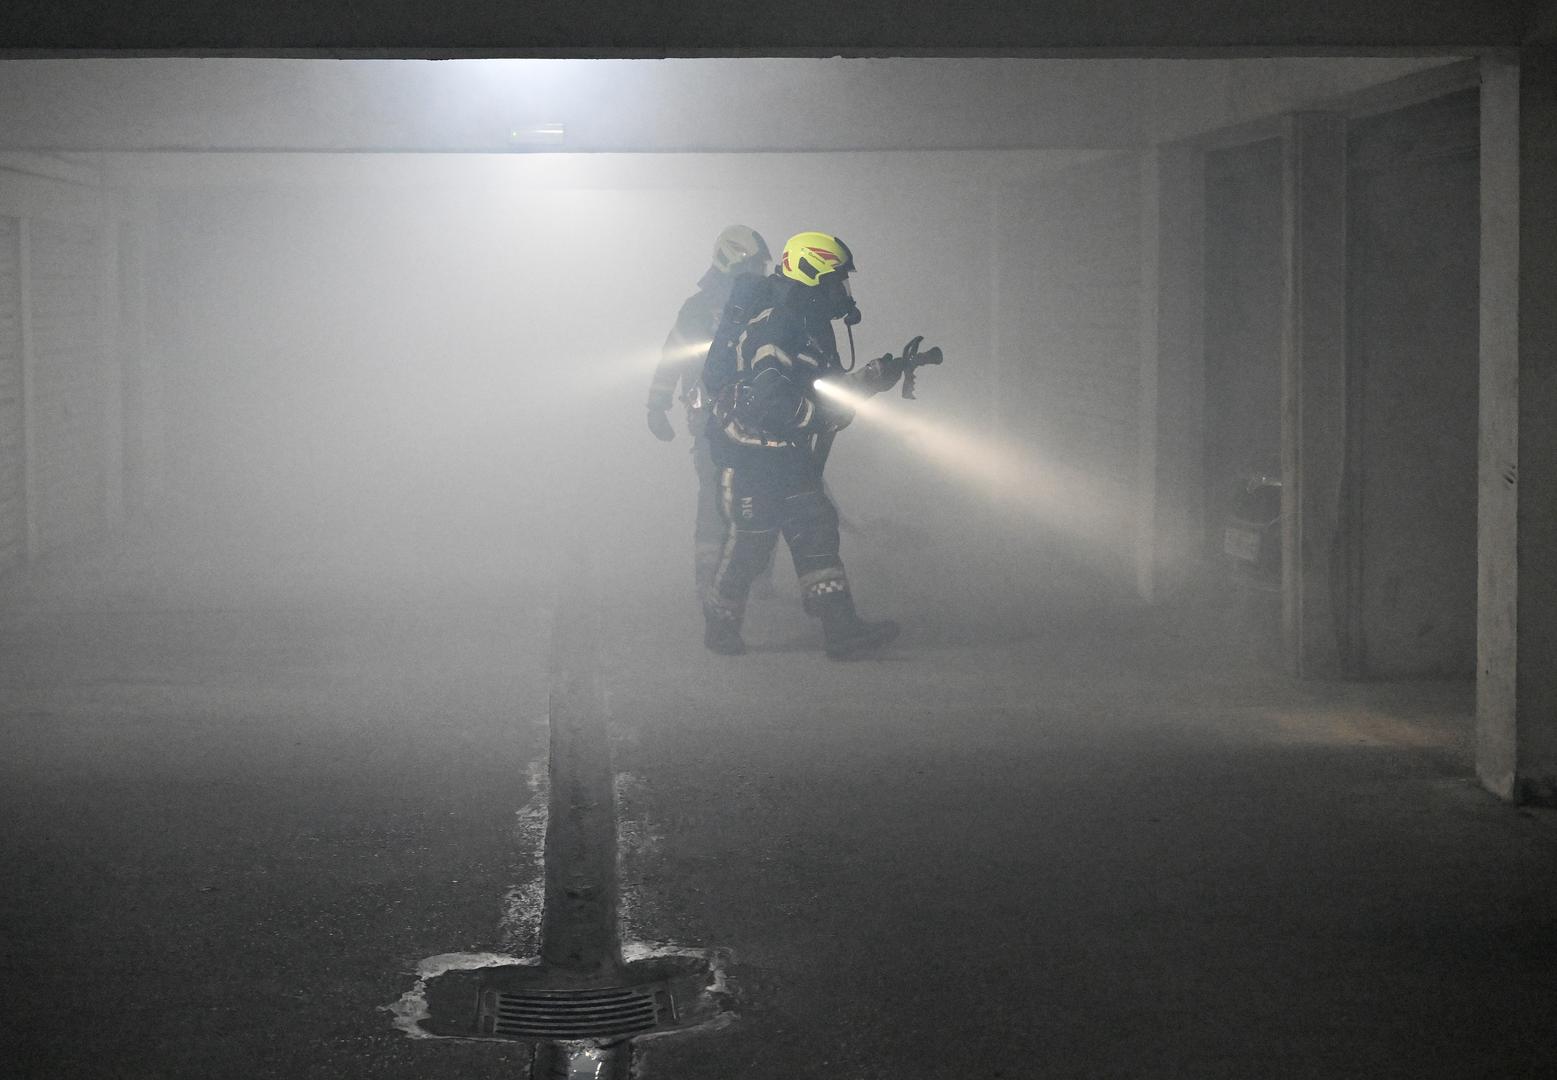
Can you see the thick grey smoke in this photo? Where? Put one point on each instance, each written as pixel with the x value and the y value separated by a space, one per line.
pixel 405 371
pixel 402 367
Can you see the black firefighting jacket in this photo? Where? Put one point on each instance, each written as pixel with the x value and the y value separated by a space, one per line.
pixel 770 413
pixel 681 357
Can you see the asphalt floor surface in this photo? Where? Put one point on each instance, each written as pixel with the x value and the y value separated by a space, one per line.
pixel 1067 842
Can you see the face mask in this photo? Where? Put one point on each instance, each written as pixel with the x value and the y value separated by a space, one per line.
pixel 841 299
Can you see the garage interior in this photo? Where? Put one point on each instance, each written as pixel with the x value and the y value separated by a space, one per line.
pixel 317 376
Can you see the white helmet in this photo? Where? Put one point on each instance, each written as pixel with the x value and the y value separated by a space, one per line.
pixel 739 244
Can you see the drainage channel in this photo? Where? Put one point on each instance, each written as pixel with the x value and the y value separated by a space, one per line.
pixel 580 1003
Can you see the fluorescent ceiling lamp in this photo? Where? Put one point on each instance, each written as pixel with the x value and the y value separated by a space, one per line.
pixel 538 135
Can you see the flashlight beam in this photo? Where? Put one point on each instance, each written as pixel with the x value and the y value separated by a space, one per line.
pixel 1010 474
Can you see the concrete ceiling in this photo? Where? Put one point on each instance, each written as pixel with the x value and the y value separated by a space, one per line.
pixel 657 106
pixel 796 27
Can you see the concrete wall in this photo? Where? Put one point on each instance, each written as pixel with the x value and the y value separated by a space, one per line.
pixel 56 210
pixel 62 447
pixel 1391 574
pixel 1413 252
pixel 69 388
pixel 1242 322
pixel 13 389
pixel 1171 500
pixel 141 376
pixel 1070 340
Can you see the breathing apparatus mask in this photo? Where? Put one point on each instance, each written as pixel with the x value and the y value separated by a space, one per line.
pixel 834 299
pixel 837 297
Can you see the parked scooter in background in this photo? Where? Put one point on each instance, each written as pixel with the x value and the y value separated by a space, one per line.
pixel 1251 532
pixel 1251 551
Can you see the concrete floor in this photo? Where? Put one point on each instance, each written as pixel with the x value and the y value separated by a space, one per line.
pixel 1067 841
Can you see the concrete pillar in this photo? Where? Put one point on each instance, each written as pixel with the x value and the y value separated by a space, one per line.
pixel 1497 575
pixel 1313 384
pixel 1537 475
pixel 1516 684
pixel 1171 464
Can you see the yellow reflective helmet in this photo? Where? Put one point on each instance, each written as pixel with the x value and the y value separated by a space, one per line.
pixel 811 256
pixel 738 246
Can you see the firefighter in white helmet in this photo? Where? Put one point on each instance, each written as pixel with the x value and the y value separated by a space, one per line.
pixel 739 250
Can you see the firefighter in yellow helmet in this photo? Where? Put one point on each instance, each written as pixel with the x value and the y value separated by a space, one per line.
pixel 738 251
pixel 769 432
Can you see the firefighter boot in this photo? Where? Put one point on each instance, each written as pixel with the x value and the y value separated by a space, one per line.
pixel 722 630
pixel 844 633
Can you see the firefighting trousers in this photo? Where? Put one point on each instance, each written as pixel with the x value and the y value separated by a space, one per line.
pixel 759 505
pixel 708 532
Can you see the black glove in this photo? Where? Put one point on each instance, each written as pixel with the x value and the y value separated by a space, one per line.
pixel 881 374
pixel 659 423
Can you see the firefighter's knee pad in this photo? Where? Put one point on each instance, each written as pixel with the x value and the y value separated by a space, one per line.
pixel 811 528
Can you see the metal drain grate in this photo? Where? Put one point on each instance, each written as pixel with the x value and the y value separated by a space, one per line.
pixel 573 1014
